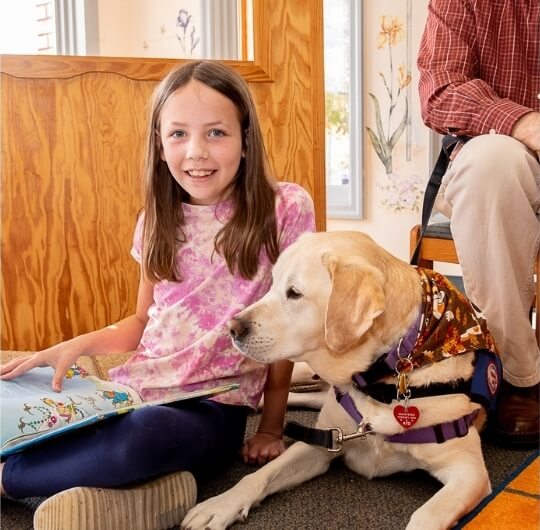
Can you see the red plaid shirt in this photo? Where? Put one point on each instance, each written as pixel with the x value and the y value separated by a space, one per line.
pixel 479 65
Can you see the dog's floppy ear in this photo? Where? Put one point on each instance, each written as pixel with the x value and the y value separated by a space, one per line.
pixel 356 300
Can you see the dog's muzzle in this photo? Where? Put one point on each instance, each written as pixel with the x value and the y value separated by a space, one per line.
pixel 246 340
pixel 237 328
pixel 239 331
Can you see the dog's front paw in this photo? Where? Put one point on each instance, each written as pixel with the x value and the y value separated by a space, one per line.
pixel 216 513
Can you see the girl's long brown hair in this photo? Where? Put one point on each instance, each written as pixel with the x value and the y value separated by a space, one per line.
pixel 252 225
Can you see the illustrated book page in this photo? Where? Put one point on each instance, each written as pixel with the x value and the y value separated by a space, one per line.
pixel 32 412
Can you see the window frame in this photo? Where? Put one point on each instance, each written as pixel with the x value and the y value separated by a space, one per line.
pixel 348 203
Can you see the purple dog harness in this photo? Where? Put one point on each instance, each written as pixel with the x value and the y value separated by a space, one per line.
pixel 448 324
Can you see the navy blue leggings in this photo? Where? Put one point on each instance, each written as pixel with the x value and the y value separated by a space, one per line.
pixel 203 437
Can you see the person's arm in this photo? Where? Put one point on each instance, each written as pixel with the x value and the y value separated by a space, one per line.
pixel 267 443
pixel 295 215
pixel 117 338
pixel 453 99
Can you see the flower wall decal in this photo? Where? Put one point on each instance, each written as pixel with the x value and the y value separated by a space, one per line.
pixel 384 138
pixel 402 193
pixel 183 21
pixel 391 31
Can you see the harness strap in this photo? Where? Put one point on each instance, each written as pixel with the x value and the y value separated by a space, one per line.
pixel 439 433
pixel 432 434
pixel 481 388
pixel 332 439
pixel 486 379
pixel 386 393
pixel 347 402
pixel 386 363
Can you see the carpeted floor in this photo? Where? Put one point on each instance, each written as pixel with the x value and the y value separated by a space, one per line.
pixel 344 500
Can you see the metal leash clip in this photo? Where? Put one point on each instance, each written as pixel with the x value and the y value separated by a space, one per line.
pixel 337 441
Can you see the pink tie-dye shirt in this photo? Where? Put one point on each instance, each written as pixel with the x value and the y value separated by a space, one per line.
pixel 186 343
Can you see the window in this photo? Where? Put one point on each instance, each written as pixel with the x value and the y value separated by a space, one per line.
pixel 207 28
pixel 343 102
pixel 28 27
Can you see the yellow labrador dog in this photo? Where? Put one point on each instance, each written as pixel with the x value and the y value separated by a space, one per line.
pixel 412 366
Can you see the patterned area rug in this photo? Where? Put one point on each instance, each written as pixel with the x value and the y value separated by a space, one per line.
pixel 515 504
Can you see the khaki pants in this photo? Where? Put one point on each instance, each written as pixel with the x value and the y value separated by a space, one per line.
pixel 491 193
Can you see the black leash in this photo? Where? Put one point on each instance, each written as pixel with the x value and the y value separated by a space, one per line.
pixel 433 185
pixel 310 435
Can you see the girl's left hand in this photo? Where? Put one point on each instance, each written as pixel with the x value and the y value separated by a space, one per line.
pixel 262 447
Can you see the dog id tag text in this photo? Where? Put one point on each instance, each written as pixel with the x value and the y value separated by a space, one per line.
pixel 406 416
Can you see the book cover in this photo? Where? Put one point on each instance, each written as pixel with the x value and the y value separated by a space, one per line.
pixel 32 412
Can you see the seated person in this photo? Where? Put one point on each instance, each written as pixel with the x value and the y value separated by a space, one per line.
pixel 480 78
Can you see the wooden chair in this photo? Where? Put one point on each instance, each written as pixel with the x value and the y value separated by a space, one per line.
pixel 438 245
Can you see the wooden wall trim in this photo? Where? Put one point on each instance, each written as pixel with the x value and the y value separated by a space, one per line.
pixel 319 118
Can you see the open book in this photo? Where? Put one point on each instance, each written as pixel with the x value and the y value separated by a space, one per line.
pixel 31 412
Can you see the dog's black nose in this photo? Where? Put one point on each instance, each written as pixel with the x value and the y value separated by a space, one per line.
pixel 237 327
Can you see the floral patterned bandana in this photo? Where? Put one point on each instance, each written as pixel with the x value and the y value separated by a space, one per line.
pixel 450 325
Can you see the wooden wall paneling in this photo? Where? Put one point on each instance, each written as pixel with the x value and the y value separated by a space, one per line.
pixel 71 190
pixel 72 140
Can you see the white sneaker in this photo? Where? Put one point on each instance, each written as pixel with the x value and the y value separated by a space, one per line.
pixel 156 505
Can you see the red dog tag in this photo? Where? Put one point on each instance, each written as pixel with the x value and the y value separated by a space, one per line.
pixel 406 417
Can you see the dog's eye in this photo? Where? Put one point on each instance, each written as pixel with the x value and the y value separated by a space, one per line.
pixel 294 293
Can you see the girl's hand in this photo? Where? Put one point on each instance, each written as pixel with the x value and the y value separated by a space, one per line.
pixel 61 357
pixel 262 448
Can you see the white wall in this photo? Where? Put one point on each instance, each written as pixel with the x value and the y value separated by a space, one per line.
pixel 389 224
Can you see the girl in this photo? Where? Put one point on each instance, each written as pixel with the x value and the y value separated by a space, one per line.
pixel 214 222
